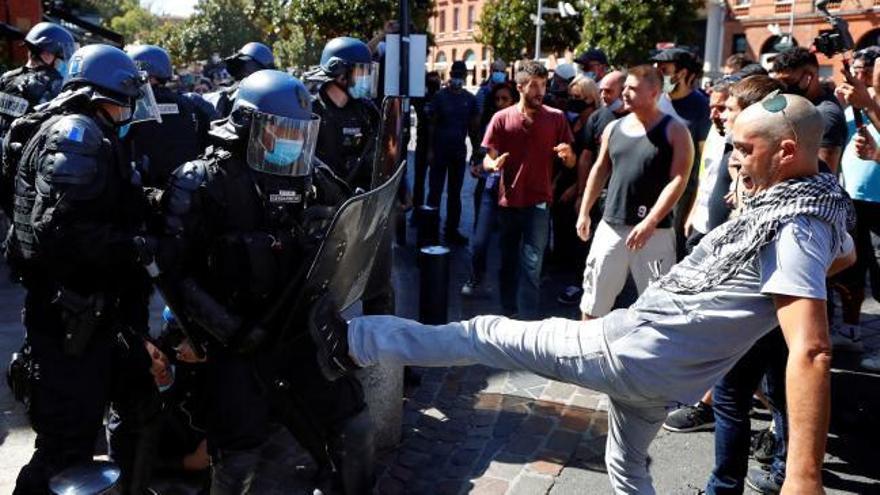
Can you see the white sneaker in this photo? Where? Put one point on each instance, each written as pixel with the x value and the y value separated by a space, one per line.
pixel 871 361
pixel 846 337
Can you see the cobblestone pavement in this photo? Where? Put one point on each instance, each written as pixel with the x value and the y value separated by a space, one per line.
pixel 485 431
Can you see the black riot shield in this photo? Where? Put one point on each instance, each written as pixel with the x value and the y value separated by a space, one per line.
pixel 390 149
pixel 343 262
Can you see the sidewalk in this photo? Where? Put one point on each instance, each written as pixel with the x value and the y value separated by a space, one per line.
pixel 484 431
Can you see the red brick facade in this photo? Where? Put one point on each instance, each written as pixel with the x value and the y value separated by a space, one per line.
pixel 22 14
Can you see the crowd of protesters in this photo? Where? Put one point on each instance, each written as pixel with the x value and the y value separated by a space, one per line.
pixel 583 172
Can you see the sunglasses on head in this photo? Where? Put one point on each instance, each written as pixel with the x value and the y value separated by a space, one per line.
pixel 776 102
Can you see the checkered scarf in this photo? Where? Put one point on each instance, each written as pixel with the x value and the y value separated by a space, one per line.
pixel 735 243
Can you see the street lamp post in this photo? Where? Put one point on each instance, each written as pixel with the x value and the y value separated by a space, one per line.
pixel 564 9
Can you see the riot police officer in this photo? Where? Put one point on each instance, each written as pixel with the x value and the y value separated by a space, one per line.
pixel 77 208
pixel 159 147
pixel 240 224
pixel 49 48
pixel 251 58
pixel 343 85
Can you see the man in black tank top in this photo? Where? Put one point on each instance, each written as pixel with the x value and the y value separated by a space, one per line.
pixel 648 156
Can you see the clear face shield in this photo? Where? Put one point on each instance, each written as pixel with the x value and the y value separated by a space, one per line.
pixel 364 80
pixel 281 145
pixel 145 107
pixel 61 62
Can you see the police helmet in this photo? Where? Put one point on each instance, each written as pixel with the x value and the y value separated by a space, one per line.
pixel 52 38
pixel 352 57
pixel 250 58
pixel 154 60
pixel 277 109
pixel 115 79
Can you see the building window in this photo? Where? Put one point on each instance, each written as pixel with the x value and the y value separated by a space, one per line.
pixel 470 22
pixel 455 20
pixel 740 44
pixel 743 3
pixel 454 54
pixel 442 21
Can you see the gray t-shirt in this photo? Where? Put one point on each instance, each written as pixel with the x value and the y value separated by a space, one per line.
pixel 674 347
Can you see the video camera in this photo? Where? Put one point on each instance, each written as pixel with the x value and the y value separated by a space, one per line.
pixel 838 40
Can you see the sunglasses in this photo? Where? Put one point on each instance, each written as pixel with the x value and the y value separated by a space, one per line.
pixel 775 102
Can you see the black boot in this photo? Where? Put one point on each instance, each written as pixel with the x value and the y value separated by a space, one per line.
pixel 354 452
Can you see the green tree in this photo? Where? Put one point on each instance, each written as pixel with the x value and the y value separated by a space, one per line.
pixel 506 27
pixel 628 30
pixel 135 23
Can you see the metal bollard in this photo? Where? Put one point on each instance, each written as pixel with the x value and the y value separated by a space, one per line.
pixel 428 226
pixel 434 285
pixel 89 478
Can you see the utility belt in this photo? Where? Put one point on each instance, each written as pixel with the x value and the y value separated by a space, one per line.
pixel 82 315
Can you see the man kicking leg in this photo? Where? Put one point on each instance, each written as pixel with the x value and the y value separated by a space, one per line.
pixel 765 268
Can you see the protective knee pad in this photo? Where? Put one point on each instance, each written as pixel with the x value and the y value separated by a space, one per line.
pixel 353 450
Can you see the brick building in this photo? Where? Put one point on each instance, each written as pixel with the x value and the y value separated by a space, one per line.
pixel 16 19
pixel 454 25
pixel 745 28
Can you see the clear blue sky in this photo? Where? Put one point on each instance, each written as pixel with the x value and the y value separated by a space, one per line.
pixel 171 7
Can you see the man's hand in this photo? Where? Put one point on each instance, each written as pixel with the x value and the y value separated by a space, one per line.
pixel 160 367
pixel 495 164
pixel 566 154
pixel 855 93
pixel 866 147
pixel 187 354
pixel 475 169
pixel 199 459
pixel 640 234
pixel 583 227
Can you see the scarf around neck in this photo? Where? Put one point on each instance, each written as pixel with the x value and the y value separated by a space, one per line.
pixel 735 243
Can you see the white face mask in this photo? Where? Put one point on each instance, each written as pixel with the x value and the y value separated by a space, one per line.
pixel 668 85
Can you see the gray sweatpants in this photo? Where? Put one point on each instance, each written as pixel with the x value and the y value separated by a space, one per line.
pixel 559 349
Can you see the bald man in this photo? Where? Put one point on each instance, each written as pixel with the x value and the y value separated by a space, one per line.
pixel 763 268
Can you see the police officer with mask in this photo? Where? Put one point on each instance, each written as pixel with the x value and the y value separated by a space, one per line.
pixel 49 48
pixel 159 147
pixel 343 85
pixel 250 58
pixel 240 223
pixel 77 207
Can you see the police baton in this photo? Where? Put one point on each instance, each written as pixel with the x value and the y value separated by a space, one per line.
pixel 148 260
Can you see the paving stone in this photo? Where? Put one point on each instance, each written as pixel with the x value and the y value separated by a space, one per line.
pixel 483 418
pixel 536 425
pixel 481 431
pixel 390 486
pixel 563 441
pixel 530 484
pixel 549 468
pixel 559 391
pixel 401 473
pixel 504 470
pixel 413 459
pixel 449 487
pixel 524 444
pixel 576 419
pixel 489 486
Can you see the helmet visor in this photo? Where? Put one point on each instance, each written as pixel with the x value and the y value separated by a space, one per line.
pixel 281 145
pixel 145 107
pixel 67 50
pixel 364 80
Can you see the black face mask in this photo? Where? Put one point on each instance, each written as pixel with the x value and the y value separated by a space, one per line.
pixel 577 106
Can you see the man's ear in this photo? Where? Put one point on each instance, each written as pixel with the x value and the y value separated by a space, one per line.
pixel 788 148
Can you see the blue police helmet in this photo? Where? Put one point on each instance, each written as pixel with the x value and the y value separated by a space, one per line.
pixel 109 70
pixel 257 52
pixel 52 38
pixel 152 59
pixel 275 93
pixel 343 53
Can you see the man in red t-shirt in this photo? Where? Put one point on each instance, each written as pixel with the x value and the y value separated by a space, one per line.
pixel 522 142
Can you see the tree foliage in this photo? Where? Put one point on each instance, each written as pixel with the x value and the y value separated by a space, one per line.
pixel 628 30
pixel 506 27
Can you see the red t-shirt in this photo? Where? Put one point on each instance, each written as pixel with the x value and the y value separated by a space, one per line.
pixel 527 173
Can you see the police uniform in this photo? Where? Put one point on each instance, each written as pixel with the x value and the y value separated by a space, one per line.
pixel 159 148
pixel 76 210
pixel 347 139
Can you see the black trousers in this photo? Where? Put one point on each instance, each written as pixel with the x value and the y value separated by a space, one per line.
pixel 70 394
pixel 448 168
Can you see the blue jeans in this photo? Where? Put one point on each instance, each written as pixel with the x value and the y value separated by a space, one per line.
pixel 524 234
pixel 732 402
pixel 486 211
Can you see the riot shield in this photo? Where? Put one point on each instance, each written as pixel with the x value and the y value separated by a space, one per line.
pixel 343 262
pixel 390 146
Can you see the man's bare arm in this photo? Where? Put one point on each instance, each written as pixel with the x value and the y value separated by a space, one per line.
pixel 598 175
pixel 807 386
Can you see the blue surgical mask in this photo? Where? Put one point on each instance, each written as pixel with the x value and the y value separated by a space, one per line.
pixel 123 130
pixel 499 77
pixel 163 388
pixel 61 66
pixel 591 74
pixel 285 152
pixel 362 87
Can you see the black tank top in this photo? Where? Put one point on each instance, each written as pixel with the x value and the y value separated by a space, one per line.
pixel 639 171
